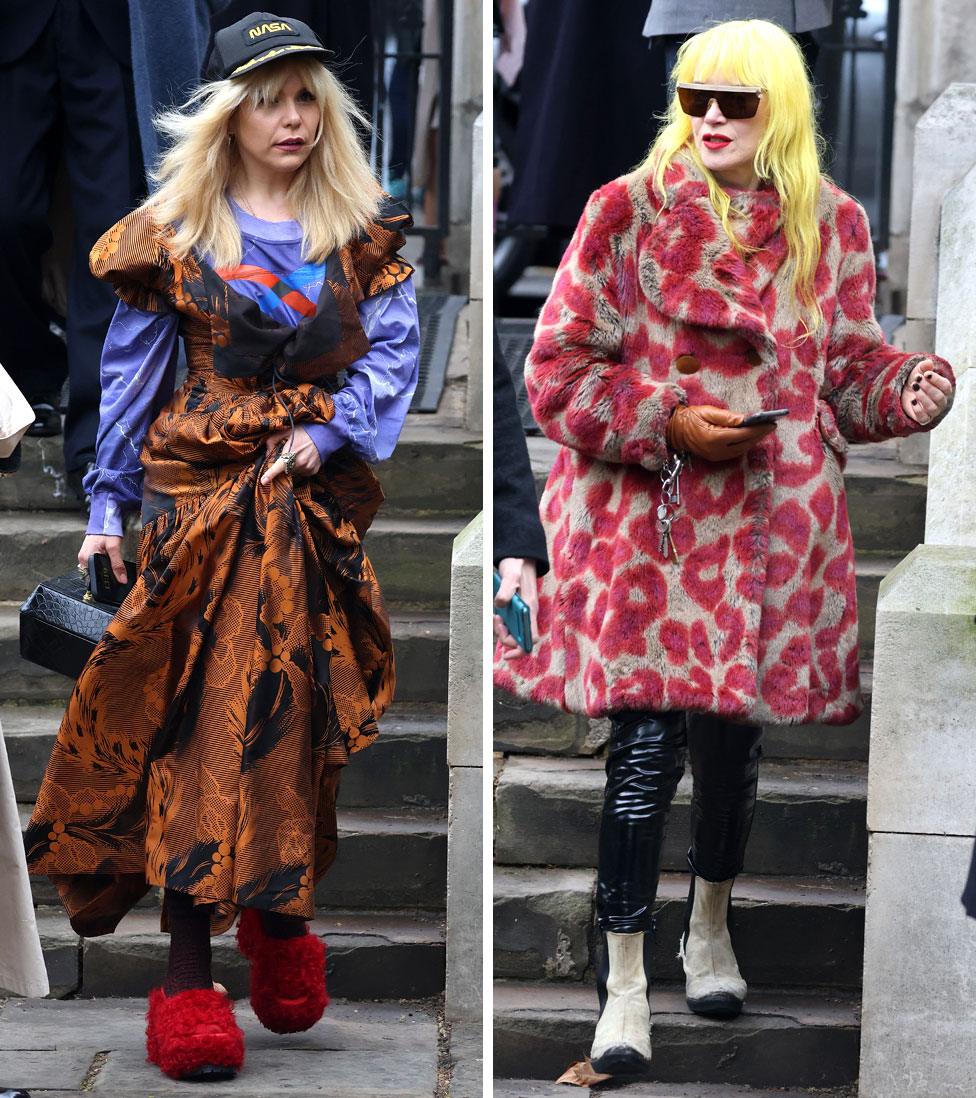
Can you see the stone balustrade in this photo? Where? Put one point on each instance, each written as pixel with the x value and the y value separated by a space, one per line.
pixel 918 1036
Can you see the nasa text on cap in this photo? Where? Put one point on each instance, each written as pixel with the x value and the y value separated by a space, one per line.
pixel 255 40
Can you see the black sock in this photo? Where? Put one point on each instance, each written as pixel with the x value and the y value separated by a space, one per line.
pixel 282 926
pixel 189 944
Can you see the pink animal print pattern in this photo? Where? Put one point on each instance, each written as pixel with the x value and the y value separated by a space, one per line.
pixel 758 620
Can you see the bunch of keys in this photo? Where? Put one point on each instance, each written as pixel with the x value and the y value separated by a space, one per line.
pixel 670 501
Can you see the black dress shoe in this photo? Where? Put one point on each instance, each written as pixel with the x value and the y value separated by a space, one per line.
pixel 47 424
pixel 77 492
pixel 14 1094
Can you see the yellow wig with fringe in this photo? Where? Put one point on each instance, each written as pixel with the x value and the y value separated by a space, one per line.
pixel 754 52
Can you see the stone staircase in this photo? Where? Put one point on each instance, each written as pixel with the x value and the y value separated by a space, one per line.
pixel 799 906
pixel 382 907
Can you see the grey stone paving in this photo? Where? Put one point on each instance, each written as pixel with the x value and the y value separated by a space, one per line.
pixel 541 1088
pixel 358 1050
pixel 467 1057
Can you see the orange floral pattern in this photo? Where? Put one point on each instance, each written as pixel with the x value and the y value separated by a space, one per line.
pixel 202 745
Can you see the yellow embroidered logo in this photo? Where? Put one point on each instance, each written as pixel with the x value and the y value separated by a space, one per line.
pixel 268 28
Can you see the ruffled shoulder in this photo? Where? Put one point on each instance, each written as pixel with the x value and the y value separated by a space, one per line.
pixel 131 255
pixel 375 258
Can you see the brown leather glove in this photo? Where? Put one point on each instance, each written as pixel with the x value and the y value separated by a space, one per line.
pixel 712 433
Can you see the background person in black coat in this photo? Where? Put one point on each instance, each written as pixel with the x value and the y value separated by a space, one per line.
pixel 65 83
pixel 590 88
pixel 519 542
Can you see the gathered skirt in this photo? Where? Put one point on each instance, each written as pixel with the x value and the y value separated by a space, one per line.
pixel 202 745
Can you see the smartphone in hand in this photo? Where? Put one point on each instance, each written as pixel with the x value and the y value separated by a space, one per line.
pixel 516 616
pixel 102 582
pixel 764 417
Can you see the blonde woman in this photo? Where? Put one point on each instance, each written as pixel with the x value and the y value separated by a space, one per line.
pixel 202 747
pixel 702 571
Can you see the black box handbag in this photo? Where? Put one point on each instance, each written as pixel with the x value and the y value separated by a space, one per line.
pixel 59 627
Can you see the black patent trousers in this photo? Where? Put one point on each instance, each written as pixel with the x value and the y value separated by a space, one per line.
pixel 645 762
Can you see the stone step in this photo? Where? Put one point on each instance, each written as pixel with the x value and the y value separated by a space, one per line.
pixel 782 1038
pixel 885 498
pixel 406 767
pixel 369 955
pixel 358 1050
pixel 434 470
pixel 544 927
pixel 542 1088
pixel 871 569
pixel 386 861
pixel 412 556
pixel 420 640
pixel 810 817
pixel 528 728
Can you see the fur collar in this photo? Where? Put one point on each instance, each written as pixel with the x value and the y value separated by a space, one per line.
pixel 696 275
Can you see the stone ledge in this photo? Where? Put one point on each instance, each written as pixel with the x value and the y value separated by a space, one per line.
pixel 779 1040
pixel 809 817
pixel 544 927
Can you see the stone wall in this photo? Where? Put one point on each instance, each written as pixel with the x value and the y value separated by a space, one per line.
pixel 945 147
pixel 919 1026
pixel 466 104
pixel 465 874
pixel 935 49
pixel 473 413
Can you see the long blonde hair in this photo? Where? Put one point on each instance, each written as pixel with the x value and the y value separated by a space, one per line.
pixel 757 53
pixel 333 195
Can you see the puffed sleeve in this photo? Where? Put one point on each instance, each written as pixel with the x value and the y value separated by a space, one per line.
pixel 138 374
pixel 132 257
pixel 371 407
pixel 376 259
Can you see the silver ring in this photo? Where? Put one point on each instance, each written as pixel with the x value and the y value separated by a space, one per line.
pixel 289 458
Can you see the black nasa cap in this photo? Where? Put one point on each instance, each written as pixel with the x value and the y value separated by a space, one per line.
pixel 255 40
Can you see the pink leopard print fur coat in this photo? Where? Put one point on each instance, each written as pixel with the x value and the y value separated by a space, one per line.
pixel 757 621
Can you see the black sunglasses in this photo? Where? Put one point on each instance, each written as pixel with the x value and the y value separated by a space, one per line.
pixel 733 102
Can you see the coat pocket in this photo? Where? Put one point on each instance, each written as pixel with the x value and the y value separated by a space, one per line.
pixel 830 433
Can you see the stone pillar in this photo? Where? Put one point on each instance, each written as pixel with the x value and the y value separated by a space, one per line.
pixel 934 50
pixel 474 402
pixel 918 1032
pixel 465 850
pixel 950 516
pixel 945 149
pixel 466 77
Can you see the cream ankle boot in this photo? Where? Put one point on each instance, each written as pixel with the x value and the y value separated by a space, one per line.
pixel 622 1042
pixel 713 985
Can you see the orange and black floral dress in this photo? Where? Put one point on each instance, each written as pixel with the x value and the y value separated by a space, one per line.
pixel 202 745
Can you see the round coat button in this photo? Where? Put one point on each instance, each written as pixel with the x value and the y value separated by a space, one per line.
pixel 687 364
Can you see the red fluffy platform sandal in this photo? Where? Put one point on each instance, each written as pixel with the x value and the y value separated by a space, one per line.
pixel 287 975
pixel 193 1035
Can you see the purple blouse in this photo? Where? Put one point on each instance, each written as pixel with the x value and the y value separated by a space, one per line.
pixel 139 371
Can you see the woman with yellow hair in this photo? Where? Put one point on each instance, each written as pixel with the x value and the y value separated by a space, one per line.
pixel 202 746
pixel 707 353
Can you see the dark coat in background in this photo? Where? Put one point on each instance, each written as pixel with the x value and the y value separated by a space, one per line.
pixel 166 66
pixel 518 529
pixel 590 88
pixel 66 86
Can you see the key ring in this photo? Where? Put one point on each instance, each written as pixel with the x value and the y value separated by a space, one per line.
pixel 670 502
